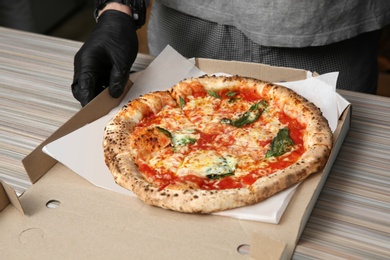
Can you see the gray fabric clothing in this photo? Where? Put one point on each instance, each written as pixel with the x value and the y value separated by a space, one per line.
pixel 355 58
pixel 291 23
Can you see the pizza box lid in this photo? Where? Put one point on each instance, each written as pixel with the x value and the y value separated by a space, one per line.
pixel 62 214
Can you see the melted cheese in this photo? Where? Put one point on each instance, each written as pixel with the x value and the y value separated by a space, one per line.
pixel 225 148
pixel 166 160
pixel 200 111
pixel 232 110
pixel 207 162
pixel 174 119
pixel 182 138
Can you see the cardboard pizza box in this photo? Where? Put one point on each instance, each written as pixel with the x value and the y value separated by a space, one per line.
pixel 64 216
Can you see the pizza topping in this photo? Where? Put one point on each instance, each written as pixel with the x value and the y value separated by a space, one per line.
pixel 229 162
pixel 147 141
pixel 207 149
pixel 232 100
pixel 182 102
pixel 213 94
pixel 180 138
pixel 164 131
pixel 184 137
pixel 164 161
pixel 248 117
pixel 207 163
pixel 281 144
pixel 231 93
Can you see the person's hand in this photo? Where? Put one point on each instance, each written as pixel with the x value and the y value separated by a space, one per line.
pixel 106 57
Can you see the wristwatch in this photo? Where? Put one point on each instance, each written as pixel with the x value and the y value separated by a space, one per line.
pixel 138 9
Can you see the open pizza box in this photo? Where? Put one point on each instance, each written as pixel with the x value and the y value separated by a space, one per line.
pixel 63 215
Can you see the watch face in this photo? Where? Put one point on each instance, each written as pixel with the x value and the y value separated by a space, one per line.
pixel 139 12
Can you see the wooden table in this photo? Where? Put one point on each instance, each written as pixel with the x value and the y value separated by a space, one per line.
pixel 351 218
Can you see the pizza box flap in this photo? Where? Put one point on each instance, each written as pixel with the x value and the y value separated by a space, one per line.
pixel 66 215
pixel 37 163
pixel 248 69
pixel 9 197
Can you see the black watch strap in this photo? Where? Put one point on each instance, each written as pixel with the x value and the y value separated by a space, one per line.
pixel 138 8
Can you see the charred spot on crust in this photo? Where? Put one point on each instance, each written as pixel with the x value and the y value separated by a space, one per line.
pixel 290 180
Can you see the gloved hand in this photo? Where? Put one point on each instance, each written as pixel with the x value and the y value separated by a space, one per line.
pixel 106 57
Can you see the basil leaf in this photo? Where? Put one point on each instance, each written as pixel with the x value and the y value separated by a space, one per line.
pixel 246 119
pixel 250 116
pixel 281 144
pixel 232 100
pixel 182 138
pixel 226 121
pixel 213 94
pixel 164 131
pixel 182 102
pixel 231 93
pixel 219 176
pixel 185 141
pixel 180 142
pixel 259 105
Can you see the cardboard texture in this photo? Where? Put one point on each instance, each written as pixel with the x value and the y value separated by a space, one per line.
pixel 8 196
pixel 94 223
pixel 4 199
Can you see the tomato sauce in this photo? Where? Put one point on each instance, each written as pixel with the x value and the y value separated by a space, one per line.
pixel 295 128
pixel 150 120
pixel 164 177
pixel 249 179
pixel 250 96
pixel 204 142
pixel 198 90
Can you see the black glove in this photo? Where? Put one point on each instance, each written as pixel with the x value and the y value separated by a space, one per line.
pixel 106 57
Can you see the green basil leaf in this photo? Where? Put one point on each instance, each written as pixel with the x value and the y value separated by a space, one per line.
pixel 259 105
pixel 182 102
pixel 226 121
pixel 231 93
pixel 250 116
pixel 182 138
pixel 281 144
pixel 247 118
pixel 232 100
pixel 164 131
pixel 186 140
pixel 219 176
pixel 213 94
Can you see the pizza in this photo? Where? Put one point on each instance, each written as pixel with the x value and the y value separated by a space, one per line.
pixel 214 143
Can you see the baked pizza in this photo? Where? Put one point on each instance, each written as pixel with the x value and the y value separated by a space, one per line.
pixel 215 142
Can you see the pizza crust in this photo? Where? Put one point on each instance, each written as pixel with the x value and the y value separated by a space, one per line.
pixel 120 159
